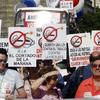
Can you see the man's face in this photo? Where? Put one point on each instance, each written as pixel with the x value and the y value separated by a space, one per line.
pixel 3 60
pixel 96 68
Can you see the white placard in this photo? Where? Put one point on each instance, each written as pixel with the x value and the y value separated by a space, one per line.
pixel 39 35
pixel 54 41
pixel 22 47
pixel 79 49
pixel 4 43
pixel 96 40
pixel 68 4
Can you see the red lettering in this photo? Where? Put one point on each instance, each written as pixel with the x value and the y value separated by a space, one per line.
pixel 39 51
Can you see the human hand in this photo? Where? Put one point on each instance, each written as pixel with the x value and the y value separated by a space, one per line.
pixel 9 97
pixel 51 73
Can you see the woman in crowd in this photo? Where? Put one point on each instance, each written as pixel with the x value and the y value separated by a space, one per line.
pixel 45 86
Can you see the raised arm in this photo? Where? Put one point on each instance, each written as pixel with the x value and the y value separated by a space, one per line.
pixel 40 80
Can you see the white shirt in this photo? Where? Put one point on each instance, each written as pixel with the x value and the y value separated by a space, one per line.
pixel 9 81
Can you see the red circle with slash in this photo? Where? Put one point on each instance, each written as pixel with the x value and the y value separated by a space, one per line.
pixel 17 39
pixel 97 39
pixel 40 42
pixel 50 33
pixel 76 41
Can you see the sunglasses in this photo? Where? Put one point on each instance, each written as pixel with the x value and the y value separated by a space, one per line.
pixel 96 65
pixel 3 61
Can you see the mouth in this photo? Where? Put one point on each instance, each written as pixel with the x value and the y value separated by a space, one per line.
pixel 97 70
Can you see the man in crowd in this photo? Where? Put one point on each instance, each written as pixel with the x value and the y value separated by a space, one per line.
pixel 10 80
pixel 77 77
pixel 91 86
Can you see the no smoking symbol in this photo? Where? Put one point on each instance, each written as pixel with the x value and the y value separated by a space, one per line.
pixel 40 42
pixel 17 39
pixel 97 39
pixel 50 34
pixel 76 41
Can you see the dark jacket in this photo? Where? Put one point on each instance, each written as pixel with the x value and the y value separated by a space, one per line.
pixel 76 78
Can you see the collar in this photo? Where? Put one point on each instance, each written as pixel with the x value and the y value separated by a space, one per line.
pixel 89 81
pixel 3 72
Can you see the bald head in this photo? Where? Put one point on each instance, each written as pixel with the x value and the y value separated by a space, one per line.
pixel 95 55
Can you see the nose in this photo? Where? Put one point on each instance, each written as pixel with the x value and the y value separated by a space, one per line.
pixel 98 67
pixel 3 62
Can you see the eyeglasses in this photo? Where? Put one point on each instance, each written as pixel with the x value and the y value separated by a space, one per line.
pixel 3 61
pixel 96 65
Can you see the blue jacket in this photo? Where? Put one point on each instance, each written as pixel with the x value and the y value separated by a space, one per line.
pixel 82 72
pixel 76 78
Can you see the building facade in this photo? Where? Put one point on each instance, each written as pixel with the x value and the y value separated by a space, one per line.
pixel 7 15
pixel 96 3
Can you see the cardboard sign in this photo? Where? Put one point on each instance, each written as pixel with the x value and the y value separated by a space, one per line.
pixel 96 40
pixel 79 49
pixel 4 43
pixel 22 47
pixel 54 41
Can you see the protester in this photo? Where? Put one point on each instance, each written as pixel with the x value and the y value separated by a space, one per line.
pixel 45 86
pixel 77 77
pixel 43 63
pixel 10 80
pixel 91 86
pixel 70 72
pixel 69 88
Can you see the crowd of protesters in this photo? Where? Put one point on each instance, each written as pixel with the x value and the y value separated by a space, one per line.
pixel 47 83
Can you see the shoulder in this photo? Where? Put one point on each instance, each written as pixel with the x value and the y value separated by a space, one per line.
pixel 12 72
pixel 76 73
pixel 87 81
pixel 88 66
